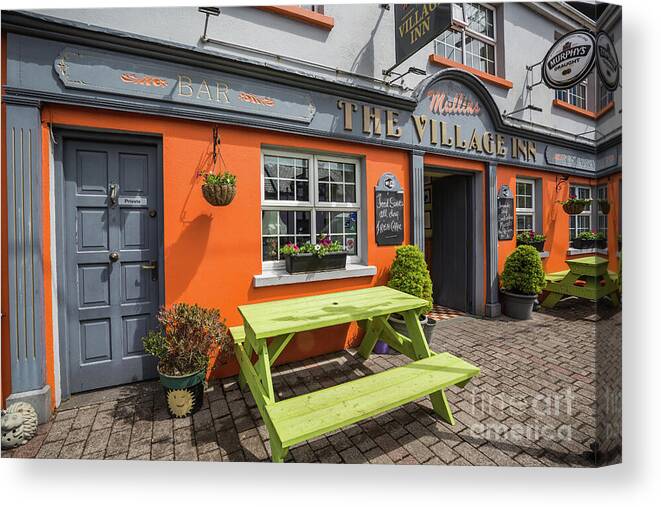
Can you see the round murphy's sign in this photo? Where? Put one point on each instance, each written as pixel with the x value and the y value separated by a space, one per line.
pixel 608 64
pixel 569 60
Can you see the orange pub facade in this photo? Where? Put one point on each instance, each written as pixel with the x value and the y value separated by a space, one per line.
pixel 103 150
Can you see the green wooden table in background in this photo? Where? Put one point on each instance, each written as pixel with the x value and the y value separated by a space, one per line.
pixel 269 327
pixel 592 271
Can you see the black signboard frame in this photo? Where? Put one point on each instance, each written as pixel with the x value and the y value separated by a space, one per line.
pixel 505 214
pixel 389 211
pixel 416 25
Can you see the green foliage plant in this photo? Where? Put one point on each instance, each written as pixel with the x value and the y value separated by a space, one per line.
pixel 523 273
pixel 188 336
pixel 224 178
pixel 409 274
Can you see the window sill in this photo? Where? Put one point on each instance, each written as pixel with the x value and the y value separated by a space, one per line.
pixel 544 255
pixel 583 251
pixel 484 76
pixel 301 14
pixel 582 112
pixel 272 278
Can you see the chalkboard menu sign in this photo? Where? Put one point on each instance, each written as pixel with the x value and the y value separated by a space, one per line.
pixel 389 210
pixel 505 213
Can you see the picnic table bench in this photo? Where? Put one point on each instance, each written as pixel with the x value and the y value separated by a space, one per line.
pixel 587 278
pixel 269 327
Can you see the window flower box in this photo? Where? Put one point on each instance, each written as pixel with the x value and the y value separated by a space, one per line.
pixel 309 262
pixel 531 238
pixel 587 240
pixel 326 255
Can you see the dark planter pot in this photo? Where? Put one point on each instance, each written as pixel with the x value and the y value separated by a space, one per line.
pixel 574 208
pixel 589 243
pixel 428 324
pixel 183 394
pixel 218 195
pixel 307 262
pixel 537 245
pixel 518 306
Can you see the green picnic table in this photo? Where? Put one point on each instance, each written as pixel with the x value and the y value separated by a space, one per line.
pixel 593 277
pixel 269 327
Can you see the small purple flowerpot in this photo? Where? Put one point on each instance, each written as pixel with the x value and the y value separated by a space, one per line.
pixel 381 347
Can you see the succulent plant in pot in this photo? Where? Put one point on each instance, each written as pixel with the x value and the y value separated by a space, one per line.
pixel 188 336
pixel 409 273
pixel 522 280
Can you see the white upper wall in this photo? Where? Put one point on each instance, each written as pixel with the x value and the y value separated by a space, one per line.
pixel 361 42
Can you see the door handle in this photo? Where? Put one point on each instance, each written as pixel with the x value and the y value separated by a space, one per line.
pixel 153 267
pixel 114 191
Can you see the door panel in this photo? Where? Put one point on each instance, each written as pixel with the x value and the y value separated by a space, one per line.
pixel 451 250
pixel 110 304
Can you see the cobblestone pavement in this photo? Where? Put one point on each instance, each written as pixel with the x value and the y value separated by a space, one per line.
pixel 532 405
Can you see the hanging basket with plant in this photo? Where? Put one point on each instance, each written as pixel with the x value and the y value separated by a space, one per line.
pixel 218 188
pixel 574 205
pixel 604 206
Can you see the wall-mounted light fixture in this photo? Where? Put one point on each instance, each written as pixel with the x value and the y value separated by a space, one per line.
pixel 209 11
pixel 412 70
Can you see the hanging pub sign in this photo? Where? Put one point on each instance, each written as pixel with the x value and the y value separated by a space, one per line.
pixel 569 60
pixel 608 65
pixel 389 210
pixel 416 25
pixel 505 213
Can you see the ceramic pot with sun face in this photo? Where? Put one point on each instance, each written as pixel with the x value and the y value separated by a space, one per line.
pixel 184 394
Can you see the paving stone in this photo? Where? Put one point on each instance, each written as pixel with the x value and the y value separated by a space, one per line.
pixel 84 417
pixel 78 435
pixel 118 442
pixel 50 450
pixel 139 448
pixel 352 455
pixel 97 441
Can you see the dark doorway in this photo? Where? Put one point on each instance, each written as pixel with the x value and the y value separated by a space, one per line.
pixel 452 241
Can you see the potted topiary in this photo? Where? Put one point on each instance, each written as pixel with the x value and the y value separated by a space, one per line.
pixel 326 255
pixel 532 239
pixel 189 335
pixel 574 205
pixel 522 280
pixel 590 239
pixel 219 189
pixel 409 274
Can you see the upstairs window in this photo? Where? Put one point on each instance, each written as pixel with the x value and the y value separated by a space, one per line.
pixel 576 95
pixel 605 97
pixel 472 39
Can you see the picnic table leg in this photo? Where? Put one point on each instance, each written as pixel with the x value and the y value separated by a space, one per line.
pixel 439 401
pixel 554 297
pixel 247 347
pixel 373 331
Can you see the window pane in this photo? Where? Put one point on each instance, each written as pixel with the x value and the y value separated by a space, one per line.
pixel 480 19
pixel 323 222
pixel 282 227
pixel 286 178
pixel 270 223
pixel 324 192
pixel 337 223
pixel 351 245
pixel 337 193
pixel 270 189
pixel 303 223
pixel 270 249
pixel 524 223
pixel 350 193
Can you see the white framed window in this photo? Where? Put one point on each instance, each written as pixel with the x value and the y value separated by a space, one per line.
pixel 602 194
pixel 472 38
pixel 583 222
pixel 605 96
pixel 525 205
pixel 306 195
pixel 576 95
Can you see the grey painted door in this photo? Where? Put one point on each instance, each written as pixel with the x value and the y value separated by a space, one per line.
pixel 112 245
pixel 451 241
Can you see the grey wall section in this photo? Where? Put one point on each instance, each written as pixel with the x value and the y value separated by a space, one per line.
pixel 417 199
pixel 492 308
pixel 26 277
